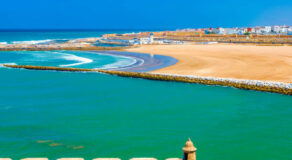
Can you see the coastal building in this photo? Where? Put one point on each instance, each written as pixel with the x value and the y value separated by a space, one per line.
pixel 284 29
pixel 276 29
pixel 259 30
pixel 151 38
pixel 146 40
pixel 218 30
pixel 290 30
pixel 229 31
pixel 240 31
pixel 253 30
pixel 267 29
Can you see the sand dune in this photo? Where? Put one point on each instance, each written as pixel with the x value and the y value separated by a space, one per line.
pixel 272 63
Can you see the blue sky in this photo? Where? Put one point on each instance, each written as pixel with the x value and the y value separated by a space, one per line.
pixel 142 14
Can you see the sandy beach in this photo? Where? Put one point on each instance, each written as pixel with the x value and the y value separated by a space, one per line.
pixel 268 63
pixel 143 62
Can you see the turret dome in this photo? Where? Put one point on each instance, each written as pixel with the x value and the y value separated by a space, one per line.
pixel 189 147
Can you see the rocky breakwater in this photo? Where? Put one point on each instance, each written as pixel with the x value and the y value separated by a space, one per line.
pixel 275 87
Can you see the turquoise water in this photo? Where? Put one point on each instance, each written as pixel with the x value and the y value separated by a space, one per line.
pixel 62 114
pixel 74 59
pixel 125 117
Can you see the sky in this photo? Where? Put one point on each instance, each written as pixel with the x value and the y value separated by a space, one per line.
pixel 142 14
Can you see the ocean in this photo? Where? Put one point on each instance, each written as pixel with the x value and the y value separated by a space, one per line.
pixel 62 114
pixel 44 36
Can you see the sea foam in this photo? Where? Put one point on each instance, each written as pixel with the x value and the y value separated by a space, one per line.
pixel 32 42
pixel 3 43
pixel 1 64
pixel 119 64
pixel 122 62
pixel 71 57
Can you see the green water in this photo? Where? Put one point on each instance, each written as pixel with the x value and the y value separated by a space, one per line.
pixel 121 117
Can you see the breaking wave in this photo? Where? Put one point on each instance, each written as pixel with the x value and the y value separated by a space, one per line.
pixel 3 43
pixel 1 64
pixel 119 64
pixel 46 41
pixel 32 42
pixel 71 57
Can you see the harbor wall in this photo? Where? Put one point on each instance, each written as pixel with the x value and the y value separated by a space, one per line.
pixel 92 159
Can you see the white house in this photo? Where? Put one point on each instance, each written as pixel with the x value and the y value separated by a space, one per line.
pixel 284 29
pixel 253 30
pixel 147 40
pixel 218 30
pixel 229 31
pixel 267 29
pixel 259 30
pixel 276 29
pixel 151 38
pixel 290 29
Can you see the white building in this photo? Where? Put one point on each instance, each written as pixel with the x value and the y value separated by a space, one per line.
pixel 276 29
pixel 260 30
pixel 268 29
pixel 218 30
pixel 240 31
pixel 284 29
pixel 229 31
pixel 147 40
pixel 151 38
pixel 253 30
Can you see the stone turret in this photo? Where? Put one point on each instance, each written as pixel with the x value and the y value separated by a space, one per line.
pixel 189 151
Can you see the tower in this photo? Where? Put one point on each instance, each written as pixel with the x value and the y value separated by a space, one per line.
pixel 189 151
pixel 151 38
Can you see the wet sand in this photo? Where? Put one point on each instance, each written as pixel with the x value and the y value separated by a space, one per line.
pixel 267 63
pixel 144 62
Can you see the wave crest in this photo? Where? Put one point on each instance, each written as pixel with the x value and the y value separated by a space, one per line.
pixel 3 43
pixel 71 57
pixel 32 42
pixel 1 64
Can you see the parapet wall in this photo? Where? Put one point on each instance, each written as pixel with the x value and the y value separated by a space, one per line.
pixel 189 152
pixel 92 159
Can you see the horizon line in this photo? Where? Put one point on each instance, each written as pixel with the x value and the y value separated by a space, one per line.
pixel 78 29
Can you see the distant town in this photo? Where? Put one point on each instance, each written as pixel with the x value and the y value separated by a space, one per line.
pixel 267 35
pixel 266 30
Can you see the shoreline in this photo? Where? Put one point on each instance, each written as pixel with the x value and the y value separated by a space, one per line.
pixel 144 62
pixel 180 64
pixel 274 87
